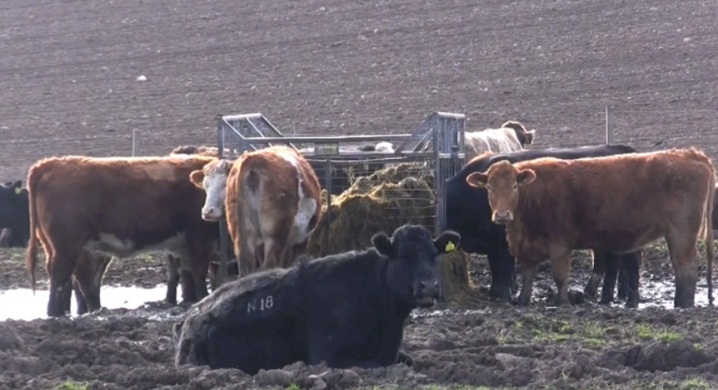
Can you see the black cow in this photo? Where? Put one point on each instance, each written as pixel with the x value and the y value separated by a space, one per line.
pixel 14 215
pixel 347 309
pixel 469 214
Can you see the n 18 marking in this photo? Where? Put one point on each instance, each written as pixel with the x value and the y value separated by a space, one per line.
pixel 265 303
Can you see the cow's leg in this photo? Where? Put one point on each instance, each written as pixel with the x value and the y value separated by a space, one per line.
pixel 66 295
pixel 298 250
pixel 199 277
pixel 599 269
pixel 612 264
pixel 528 274
pixel 684 258
pixel 80 302
pixel 173 277
pixel 632 266
pixel 277 248
pixel 59 269
pixel 89 273
pixel 561 267
pixel 503 274
pixel 189 290
pixel 200 254
pixel 622 280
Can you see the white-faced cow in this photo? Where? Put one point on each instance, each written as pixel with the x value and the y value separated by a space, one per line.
pixel 347 310
pixel 616 204
pixel 510 137
pixel 115 207
pixel 272 202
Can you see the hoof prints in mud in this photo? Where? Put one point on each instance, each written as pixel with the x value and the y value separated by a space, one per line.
pixel 497 347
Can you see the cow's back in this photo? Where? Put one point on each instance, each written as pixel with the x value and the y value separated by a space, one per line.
pixel 135 197
pixel 468 210
pixel 249 323
pixel 605 202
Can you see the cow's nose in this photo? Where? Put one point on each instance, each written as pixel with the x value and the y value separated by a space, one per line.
pixel 430 288
pixel 210 214
pixel 502 216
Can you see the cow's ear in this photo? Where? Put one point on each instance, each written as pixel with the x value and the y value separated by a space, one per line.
pixel 196 177
pixel 382 243
pixel 447 241
pixel 525 176
pixel 477 179
pixel 530 137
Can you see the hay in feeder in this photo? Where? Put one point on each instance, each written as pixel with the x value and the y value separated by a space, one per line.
pixel 382 201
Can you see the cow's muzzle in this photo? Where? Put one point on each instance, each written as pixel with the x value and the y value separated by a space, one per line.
pixel 502 216
pixel 211 214
pixel 427 292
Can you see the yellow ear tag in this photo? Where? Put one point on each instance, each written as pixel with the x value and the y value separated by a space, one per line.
pixel 449 247
pixel 18 191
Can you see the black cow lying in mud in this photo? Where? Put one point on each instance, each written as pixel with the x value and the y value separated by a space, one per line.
pixel 347 309
pixel 469 214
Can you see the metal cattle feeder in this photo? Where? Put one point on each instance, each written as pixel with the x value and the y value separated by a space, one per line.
pixel 436 146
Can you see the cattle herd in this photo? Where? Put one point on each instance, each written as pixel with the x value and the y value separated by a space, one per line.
pixel 518 206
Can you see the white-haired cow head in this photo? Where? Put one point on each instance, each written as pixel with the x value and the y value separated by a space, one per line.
pixel 213 179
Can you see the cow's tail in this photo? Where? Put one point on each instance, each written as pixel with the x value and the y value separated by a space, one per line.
pixel 708 234
pixel 31 252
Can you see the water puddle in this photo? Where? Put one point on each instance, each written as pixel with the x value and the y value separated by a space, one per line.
pixel 21 304
pixel 660 293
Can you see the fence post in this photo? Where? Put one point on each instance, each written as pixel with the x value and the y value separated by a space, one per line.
pixel 609 126
pixel 223 230
pixel 135 139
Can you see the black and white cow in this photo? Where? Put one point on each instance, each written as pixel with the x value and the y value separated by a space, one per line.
pixel 468 213
pixel 346 309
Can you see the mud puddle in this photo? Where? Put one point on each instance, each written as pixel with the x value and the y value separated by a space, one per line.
pixel 21 304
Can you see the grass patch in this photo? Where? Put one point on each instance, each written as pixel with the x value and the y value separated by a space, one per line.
pixel 71 386
pixel 432 387
pixel 592 333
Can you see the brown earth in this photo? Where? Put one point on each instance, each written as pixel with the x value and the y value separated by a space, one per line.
pixel 69 85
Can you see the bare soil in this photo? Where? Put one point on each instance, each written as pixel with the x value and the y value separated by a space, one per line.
pixel 70 84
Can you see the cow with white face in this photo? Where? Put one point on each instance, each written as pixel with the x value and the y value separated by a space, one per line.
pixel 272 202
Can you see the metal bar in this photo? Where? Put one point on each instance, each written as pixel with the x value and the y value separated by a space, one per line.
pixel 223 244
pixel 238 117
pixel 420 133
pixel 328 198
pixel 333 138
pixel 134 141
pixel 377 157
pixel 450 115
pixel 609 127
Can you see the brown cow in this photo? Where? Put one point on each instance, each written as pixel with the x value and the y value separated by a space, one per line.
pixel 117 207
pixel 272 204
pixel 551 206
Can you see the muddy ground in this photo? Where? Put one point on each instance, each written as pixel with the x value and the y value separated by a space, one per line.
pixel 70 83
pixel 487 344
